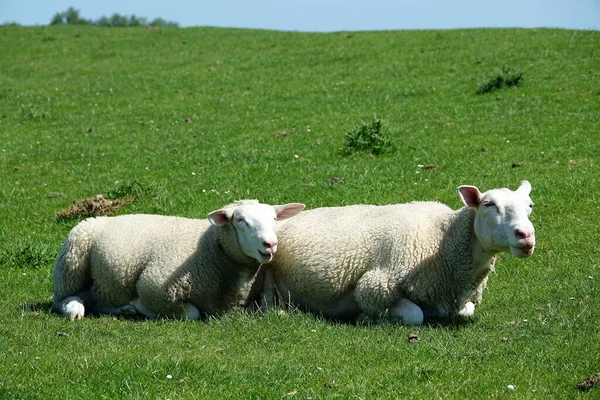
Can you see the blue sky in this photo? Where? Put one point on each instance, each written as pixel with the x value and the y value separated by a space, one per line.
pixel 326 15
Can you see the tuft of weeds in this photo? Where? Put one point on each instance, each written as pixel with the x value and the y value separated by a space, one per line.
pixel 127 190
pixel 371 136
pixel 30 112
pixel 505 77
pixel 26 256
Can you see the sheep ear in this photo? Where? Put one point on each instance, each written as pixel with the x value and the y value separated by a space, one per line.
pixel 524 188
pixel 220 217
pixel 288 210
pixel 469 195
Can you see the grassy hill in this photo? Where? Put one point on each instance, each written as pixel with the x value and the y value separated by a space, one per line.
pixel 187 120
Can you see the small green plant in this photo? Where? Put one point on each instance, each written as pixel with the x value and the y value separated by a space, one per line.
pixel 29 112
pixel 505 77
pixel 126 190
pixel 27 256
pixel 371 136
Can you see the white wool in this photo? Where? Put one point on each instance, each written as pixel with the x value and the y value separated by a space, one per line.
pixel 163 265
pixel 344 261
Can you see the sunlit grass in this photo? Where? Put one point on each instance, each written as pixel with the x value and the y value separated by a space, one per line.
pixel 187 120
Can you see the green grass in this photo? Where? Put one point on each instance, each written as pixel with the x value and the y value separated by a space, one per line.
pixel 191 119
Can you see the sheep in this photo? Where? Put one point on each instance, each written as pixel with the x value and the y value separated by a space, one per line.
pixel 400 262
pixel 163 265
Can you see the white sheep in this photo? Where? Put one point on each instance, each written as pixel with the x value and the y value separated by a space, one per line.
pixel 397 261
pixel 162 265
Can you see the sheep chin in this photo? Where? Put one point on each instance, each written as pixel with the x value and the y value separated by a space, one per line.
pixel 522 252
pixel 265 258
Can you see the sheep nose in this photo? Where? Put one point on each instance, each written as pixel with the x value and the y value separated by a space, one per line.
pixel 521 234
pixel 270 245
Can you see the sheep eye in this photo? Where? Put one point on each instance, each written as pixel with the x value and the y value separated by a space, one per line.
pixel 240 221
pixel 489 204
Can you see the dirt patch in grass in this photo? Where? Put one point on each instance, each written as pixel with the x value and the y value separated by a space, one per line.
pixel 92 207
pixel 588 383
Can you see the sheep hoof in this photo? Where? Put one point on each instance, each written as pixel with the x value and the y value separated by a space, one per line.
pixel 410 313
pixel 191 312
pixel 73 308
pixel 128 310
pixel 467 310
pixel 143 310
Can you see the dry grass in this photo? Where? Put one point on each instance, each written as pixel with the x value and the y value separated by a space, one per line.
pixel 92 207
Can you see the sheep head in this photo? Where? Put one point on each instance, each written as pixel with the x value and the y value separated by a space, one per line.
pixel 254 224
pixel 502 218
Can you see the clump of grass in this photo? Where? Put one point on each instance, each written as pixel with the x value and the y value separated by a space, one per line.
pixel 30 112
pixel 127 190
pixel 371 136
pixel 505 77
pixel 26 256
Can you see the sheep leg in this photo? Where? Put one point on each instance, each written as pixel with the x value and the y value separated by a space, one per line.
pixel 191 312
pixel 128 310
pixel 72 307
pixel 375 293
pixel 251 291
pixel 467 310
pixel 477 296
pixel 188 311
pixel 72 271
pixel 408 312
pixel 156 298
pixel 142 309
pixel 267 297
pixel 405 312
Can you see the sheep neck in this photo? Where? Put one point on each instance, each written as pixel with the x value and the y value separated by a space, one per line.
pixel 480 261
pixel 232 250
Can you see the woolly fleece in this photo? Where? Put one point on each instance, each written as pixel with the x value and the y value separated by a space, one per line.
pixel 166 261
pixel 340 261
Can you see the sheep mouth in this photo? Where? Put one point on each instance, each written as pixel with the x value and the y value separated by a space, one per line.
pixel 265 257
pixel 523 251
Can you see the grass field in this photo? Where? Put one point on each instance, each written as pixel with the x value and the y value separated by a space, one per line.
pixel 191 119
